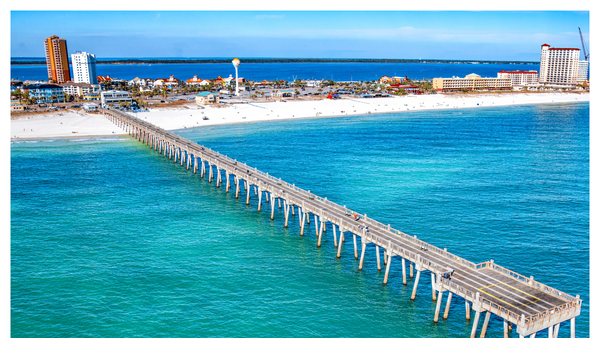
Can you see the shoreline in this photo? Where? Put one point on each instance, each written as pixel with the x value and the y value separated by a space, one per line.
pixel 97 126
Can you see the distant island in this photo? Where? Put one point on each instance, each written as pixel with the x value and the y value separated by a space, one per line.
pixel 282 60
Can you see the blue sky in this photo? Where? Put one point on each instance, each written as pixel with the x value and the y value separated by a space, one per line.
pixel 481 35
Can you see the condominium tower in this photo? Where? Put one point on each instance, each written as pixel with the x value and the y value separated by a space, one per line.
pixel 559 66
pixel 583 74
pixel 57 61
pixel 84 68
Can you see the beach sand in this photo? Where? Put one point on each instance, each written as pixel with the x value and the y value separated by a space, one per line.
pixel 71 124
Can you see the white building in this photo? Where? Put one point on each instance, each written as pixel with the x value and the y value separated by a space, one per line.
pixel 559 66
pixel 520 78
pixel 79 89
pixel 84 68
pixel 582 73
pixel 114 97
pixel 470 82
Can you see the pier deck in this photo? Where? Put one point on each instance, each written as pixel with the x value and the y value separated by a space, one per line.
pixel 487 287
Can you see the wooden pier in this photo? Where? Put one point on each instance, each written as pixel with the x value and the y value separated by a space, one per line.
pixel 487 288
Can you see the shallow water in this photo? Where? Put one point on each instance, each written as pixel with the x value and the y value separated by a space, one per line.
pixel 111 239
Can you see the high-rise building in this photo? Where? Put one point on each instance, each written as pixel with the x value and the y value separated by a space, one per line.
pixel 84 68
pixel 559 66
pixel 582 74
pixel 57 60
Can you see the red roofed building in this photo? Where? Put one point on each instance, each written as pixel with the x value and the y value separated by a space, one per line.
pixel 104 78
pixel 520 78
pixel 410 89
pixel 171 81
pixel 195 81
pixel 559 66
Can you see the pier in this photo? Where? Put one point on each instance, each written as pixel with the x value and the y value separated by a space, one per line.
pixel 486 288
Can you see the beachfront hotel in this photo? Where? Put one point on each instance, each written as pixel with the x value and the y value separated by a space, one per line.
pixel 559 66
pixel 582 73
pixel 84 68
pixel 57 61
pixel 470 82
pixel 520 78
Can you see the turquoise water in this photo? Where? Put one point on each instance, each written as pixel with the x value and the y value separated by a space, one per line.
pixel 111 239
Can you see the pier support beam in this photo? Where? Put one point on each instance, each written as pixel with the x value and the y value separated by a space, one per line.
pixel 355 249
pixel 272 208
pixel 302 216
pixel 237 187
pixel 378 257
pixel 447 309
pixel 467 310
pixel 259 199
pixel 334 235
pixel 485 324
pixel 438 306
pixel 416 284
pixel 411 270
pixel 433 286
pixel 505 324
pixel 316 226
pixel 227 184
pixel 286 208
pixel 573 327
pixel 387 267
pixel 247 193
pixel 403 271
pixel 475 323
pixel 339 252
pixel 320 231
pixel 362 253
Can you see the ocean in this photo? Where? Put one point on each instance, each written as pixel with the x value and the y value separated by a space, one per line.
pixel 108 238
pixel 285 71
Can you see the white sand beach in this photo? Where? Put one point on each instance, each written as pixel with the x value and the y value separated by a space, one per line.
pixel 72 124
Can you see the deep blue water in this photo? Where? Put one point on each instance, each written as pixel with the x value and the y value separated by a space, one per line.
pixel 285 71
pixel 111 239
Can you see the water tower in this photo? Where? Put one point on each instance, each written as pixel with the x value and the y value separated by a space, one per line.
pixel 236 64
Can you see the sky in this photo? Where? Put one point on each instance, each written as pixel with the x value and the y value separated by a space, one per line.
pixel 464 35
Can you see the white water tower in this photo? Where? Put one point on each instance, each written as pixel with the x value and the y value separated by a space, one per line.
pixel 236 64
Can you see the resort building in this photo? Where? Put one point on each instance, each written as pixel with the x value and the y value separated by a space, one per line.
pixel 207 98
pixel 15 106
pixel 409 89
pixel 90 107
pixel 470 82
pixel 95 96
pixel 115 98
pixel 313 83
pixel 195 81
pixel 227 81
pixel 106 78
pixel 583 71
pixel 57 60
pixel 79 89
pixel 393 79
pixel 285 93
pixel 559 66
pixel 520 78
pixel 84 68
pixel 44 92
pixel 171 81
pixel 140 82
